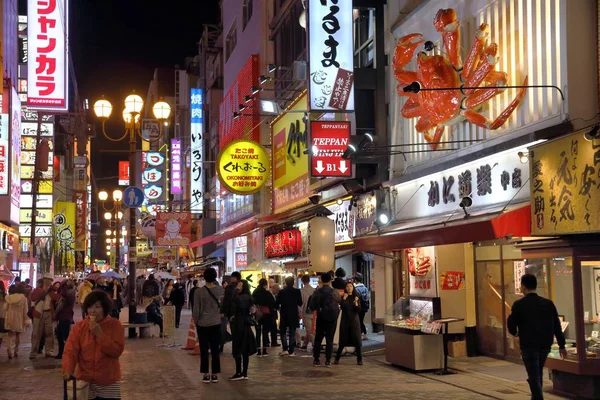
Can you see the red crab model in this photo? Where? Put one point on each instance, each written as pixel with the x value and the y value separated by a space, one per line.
pixel 437 109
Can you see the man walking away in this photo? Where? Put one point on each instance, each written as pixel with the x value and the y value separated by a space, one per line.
pixel 178 300
pixel 365 302
pixel 534 320
pixel 289 300
pixel 326 301
pixel 265 304
pixel 307 313
pixel 42 318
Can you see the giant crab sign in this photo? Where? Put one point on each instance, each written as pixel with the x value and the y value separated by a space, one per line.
pixel 438 108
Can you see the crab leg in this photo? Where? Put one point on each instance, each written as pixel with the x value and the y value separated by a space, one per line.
pixel 424 125
pixel 405 49
pixel 483 69
pixel 482 95
pixel 412 108
pixel 434 141
pixel 476 51
pixel 480 120
pixel 446 22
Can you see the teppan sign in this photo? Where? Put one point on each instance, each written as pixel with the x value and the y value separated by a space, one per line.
pixel 565 186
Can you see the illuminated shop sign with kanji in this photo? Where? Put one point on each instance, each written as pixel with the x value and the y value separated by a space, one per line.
pixel 47 53
pixel 330 32
pixel 176 166
pixel 281 244
pixel 243 167
pixel 4 123
pixel 153 173
pixel 565 186
pixel 197 152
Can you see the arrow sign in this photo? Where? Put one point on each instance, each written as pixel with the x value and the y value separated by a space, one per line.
pixel 320 167
pixel 343 167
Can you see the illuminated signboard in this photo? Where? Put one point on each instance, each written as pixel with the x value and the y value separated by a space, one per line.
pixel 123 173
pixel 197 149
pixel 243 166
pixel 176 166
pixel 331 55
pixel 4 123
pixel 331 140
pixel 47 74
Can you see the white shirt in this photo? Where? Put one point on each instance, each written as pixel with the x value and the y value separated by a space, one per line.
pixel 306 292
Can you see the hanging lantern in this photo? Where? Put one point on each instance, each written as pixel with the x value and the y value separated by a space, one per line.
pixel 321 244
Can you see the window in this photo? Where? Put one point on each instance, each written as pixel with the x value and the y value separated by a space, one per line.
pixel 364 35
pixel 231 40
pixel 248 7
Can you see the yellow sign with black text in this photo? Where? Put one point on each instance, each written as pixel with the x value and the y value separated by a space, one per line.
pixel 243 166
pixel 565 186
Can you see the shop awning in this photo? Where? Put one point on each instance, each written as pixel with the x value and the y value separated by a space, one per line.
pixel 295 215
pixel 482 225
pixel 229 233
pixel 302 262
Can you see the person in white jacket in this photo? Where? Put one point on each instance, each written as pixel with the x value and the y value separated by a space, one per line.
pixel 307 313
pixel 16 320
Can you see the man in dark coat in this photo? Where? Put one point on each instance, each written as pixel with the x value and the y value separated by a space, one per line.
pixel 263 299
pixel 178 300
pixel 226 308
pixel 289 300
pixel 339 282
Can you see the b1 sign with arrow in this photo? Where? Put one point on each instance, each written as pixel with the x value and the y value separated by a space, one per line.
pixel 329 140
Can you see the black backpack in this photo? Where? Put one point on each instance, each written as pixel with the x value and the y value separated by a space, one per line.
pixel 329 306
pixel 364 298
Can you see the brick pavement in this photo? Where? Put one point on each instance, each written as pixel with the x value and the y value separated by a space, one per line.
pixel 151 372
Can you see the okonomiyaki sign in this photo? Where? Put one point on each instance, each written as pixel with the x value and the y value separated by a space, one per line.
pixel 243 166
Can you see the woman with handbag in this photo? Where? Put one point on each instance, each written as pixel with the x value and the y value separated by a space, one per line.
pixel 16 320
pixel 244 343
pixel 207 316
pixel 93 349
pixel 265 303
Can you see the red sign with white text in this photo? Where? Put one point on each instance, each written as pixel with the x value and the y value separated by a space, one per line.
pixel 286 243
pixel 331 138
pixel 123 173
pixel 80 200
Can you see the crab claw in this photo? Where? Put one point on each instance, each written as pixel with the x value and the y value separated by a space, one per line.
pixel 405 49
pixel 445 20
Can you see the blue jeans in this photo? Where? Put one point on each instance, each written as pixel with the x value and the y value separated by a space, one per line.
pixel 534 361
pixel 284 342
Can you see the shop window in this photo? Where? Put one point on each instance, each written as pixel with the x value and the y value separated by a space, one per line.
pixel 231 40
pixel 364 37
pixel 590 282
pixel 247 12
pixel 561 281
pixel 490 315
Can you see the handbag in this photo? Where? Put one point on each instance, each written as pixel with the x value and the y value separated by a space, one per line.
pixel 78 389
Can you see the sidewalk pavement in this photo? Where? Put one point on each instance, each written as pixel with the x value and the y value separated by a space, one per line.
pixel 151 372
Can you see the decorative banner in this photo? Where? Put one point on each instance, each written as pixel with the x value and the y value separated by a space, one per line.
pixel 4 149
pixel 321 246
pixel 421 267
pixel 15 157
pixel 366 214
pixel 452 280
pixel 197 151
pixel 123 173
pixel 47 73
pixel 281 244
pixel 565 186
pixel 519 271
pixel 165 255
pixel 291 183
pixel 176 166
pixel 246 126
pixel 80 199
pixel 173 228
pixel 243 167
pixel 331 139
pixel 331 57
pixel 64 232
pixel 344 222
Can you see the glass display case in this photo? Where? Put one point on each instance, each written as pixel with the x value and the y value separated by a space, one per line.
pixel 412 313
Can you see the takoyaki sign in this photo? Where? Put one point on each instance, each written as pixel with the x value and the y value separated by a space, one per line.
pixel 331 49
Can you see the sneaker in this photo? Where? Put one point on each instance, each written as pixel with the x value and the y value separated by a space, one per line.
pixel 237 377
pixel 245 377
pixel 214 378
pixel 316 363
pixel 359 362
pixel 283 353
pixel 206 378
pixel 328 364
pixel 292 355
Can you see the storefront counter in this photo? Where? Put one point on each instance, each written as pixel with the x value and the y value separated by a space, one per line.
pixel 413 349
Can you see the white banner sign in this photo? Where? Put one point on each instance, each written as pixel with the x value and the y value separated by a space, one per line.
pixel 43 201
pixel 331 50
pixel 344 221
pixel 47 69
pixel 197 147
pixel 4 123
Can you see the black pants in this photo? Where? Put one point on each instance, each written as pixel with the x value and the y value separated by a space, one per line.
pixel 178 315
pixel 534 361
pixel 263 329
pixel 62 334
pixel 284 331
pixel 361 317
pixel 274 330
pixel 158 321
pixel 341 348
pixel 210 339
pixel 241 363
pixel 324 329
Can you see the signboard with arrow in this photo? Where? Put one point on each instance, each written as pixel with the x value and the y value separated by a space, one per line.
pixel 329 140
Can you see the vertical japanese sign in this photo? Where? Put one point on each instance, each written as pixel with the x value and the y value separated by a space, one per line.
pixel 47 68
pixel 331 140
pixel 197 149
pixel 331 55
pixel 175 166
pixel 123 173
pixel 79 198
pixel 565 186
pixel 153 166
pixel 4 124
pixel 15 156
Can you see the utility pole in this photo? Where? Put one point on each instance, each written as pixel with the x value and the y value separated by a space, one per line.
pixel 132 229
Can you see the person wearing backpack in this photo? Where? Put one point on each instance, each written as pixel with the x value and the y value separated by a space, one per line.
pixel 326 301
pixel 365 302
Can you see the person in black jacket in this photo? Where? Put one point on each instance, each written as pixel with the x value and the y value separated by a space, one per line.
pixel 289 299
pixel 244 342
pixel 226 308
pixel 534 320
pixel 339 282
pixel 191 296
pixel 265 303
pixel 350 335
pixel 178 300
pixel 326 300
pixel 154 313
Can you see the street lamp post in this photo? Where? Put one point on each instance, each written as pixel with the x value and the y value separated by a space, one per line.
pixel 131 116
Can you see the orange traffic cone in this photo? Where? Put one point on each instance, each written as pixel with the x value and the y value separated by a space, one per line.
pixel 196 351
pixel 192 340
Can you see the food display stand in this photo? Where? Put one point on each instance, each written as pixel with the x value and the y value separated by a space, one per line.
pixel 409 341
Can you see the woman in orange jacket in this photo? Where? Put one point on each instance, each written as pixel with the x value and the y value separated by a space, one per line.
pixel 93 349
